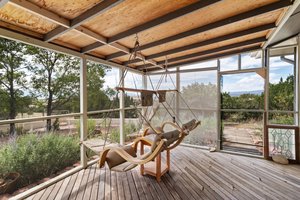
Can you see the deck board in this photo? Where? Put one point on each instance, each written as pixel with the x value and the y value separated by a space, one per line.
pixel 195 174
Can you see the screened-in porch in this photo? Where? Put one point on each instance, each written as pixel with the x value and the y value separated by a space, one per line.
pixel 78 77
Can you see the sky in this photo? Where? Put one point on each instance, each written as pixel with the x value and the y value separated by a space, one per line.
pixel 230 83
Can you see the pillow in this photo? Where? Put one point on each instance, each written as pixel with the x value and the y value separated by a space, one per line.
pixel 113 159
pixel 171 136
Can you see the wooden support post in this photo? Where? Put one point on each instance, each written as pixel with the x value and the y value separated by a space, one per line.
pixel 297 92
pixel 122 106
pixel 219 120
pixel 144 109
pixel 83 110
pixel 177 105
pixel 265 57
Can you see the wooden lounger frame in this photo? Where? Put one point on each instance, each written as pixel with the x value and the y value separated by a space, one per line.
pixel 128 157
pixel 156 168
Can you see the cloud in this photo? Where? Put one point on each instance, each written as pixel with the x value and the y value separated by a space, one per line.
pixel 111 78
pixel 242 82
pixel 229 63
pixel 248 61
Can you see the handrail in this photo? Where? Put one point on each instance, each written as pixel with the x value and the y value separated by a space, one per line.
pixel 9 121
pixel 23 120
pixel 110 110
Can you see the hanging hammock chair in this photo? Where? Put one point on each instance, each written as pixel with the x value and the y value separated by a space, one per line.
pixel 122 159
pixel 125 158
pixel 174 137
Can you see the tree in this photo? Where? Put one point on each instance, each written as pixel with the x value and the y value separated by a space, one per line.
pixel 281 95
pixel 12 75
pixel 55 78
pixel 97 97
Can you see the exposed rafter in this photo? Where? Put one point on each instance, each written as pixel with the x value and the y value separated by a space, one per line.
pixel 230 20
pixel 77 21
pixel 208 42
pixel 166 18
pixel 211 51
pixel 9 34
pixel 222 48
pixel 163 19
pixel 210 57
pixel 33 8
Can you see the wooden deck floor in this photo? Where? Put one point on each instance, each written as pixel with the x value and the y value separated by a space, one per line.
pixel 195 174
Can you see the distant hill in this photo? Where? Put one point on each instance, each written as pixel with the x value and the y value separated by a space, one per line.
pixel 239 93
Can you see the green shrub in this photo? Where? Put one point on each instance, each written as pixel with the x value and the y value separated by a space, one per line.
pixel 38 156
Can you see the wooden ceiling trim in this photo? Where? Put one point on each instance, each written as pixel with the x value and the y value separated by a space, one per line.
pixel 202 59
pixel 210 41
pixel 77 21
pixel 211 51
pixel 163 19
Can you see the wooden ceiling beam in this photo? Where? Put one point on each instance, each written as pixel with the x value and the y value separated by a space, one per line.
pixel 209 42
pixel 77 21
pixel 163 19
pixel 168 17
pixel 65 24
pixel 216 50
pixel 230 20
pixel 249 49
pixel 211 51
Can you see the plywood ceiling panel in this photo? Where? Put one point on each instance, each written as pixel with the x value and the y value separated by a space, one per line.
pixel 207 15
pixel 62 43
pixel 19 17
pixel 106 50
pixel 67 8
pixel 123 58
pixel 232 28
pixel 216 45
pixel 132 13
pixel 76 38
